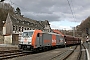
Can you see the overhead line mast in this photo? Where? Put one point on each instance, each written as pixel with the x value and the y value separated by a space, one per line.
pixel 73 17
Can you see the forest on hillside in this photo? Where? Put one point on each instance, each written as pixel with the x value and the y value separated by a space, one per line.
pixel 84 27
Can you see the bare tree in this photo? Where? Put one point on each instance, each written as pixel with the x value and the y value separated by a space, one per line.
pixel 18 11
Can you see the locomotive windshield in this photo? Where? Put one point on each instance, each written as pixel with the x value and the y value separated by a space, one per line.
pixel 27 34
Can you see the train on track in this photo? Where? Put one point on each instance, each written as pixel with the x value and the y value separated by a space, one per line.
pixel 34 40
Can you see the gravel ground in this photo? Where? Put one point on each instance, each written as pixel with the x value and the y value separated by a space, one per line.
pixel 74 54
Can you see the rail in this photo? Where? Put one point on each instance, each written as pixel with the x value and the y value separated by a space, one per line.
pixel 87 53
pixel 83 51
pixel 11 54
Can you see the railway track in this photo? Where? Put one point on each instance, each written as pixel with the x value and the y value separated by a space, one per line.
pixel 44 55
pixel 64 55
pixel 11 54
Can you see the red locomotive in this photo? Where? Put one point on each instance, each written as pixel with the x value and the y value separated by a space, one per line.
pixel 34 40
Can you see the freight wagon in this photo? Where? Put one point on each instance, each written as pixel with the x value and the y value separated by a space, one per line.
pixel 70 40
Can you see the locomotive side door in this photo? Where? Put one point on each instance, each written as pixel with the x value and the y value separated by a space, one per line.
pixel 41 39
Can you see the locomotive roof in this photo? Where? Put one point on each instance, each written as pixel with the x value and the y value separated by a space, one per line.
pixel 42 32
pixel 51 33
pixel 28 30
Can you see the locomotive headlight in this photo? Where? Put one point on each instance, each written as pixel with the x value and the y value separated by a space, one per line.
pixel 28 46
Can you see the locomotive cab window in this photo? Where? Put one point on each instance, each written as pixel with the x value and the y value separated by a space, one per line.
pixel 27 34
pixel 30 34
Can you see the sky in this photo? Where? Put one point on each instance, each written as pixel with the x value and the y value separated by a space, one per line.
pixel 61 14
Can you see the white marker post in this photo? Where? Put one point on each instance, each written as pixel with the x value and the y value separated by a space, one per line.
pixel 65 44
